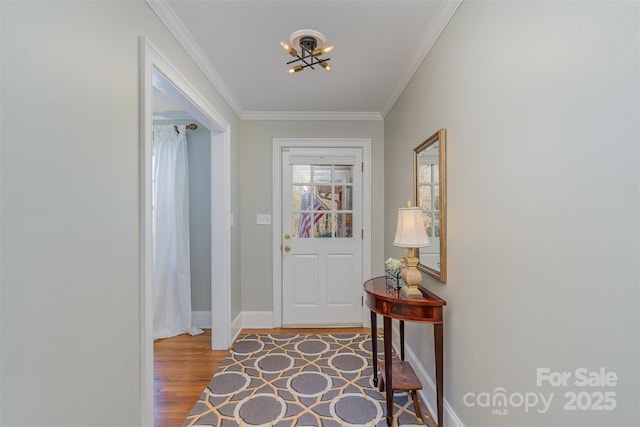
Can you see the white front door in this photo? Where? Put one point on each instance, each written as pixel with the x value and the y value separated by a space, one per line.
pixel 321 236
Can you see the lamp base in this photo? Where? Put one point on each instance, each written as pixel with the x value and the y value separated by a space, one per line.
pixel 412 278
pixel 410 292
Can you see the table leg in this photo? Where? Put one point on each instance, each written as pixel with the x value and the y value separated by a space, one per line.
pixel 402 340
pixel 388 360
pixel 438 337
pixel 374 346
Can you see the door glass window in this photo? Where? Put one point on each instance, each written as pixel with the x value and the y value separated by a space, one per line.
pixel 322 201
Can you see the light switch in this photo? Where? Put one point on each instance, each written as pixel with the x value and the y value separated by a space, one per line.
pixel 263 219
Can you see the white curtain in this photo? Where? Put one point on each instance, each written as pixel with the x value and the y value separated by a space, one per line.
pixel 171 259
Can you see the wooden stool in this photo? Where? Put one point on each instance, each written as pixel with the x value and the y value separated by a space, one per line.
pixel 403 379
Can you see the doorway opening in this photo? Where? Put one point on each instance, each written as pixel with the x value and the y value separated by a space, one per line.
pixel 157 72
pixel 181 221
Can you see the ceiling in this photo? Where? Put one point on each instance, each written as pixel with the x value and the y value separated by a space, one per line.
pixel 379 44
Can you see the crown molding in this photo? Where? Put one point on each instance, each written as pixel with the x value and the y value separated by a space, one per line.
pixel 312 115
pixel 175 26
pixel 440 21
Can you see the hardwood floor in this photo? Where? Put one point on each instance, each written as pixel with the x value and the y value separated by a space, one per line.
pixel 184 365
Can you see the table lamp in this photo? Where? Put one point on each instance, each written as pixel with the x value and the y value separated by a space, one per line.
pixel 411 233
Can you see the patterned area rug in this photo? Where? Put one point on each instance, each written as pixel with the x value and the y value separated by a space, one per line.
pixel 299 380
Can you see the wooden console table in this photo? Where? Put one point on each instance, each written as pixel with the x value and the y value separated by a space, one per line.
pixel 391 305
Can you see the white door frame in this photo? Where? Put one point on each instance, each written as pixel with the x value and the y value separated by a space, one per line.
pixel 278 145
pixel 152 60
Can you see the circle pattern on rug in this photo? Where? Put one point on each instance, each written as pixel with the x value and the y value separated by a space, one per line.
pixel 312 347
pixel 289 380
pixel 344 337
pixel 247 346
pixel 277 337
pixel 309 384
pixel 366 346
pixel 274 363
pixel 355 409
pixel 228 383
pixel 348 362
pixel 259 410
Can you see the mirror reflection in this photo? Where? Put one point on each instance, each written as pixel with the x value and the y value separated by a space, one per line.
pixel 429 189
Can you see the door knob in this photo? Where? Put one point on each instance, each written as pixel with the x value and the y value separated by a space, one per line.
pixel 287 236
pixel 287 248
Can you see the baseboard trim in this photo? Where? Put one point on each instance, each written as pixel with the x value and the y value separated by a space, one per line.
pixel 245 319
pixel 236 327
pixel 257 319
pixel 264 320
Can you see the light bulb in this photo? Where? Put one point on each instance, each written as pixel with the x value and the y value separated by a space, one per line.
pixel 322 50
pixel 295 69
pixel 291 51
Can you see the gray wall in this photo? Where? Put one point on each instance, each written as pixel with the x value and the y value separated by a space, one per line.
pixel 256 194
pixel 69 213
pixel 541 104
pixel 199 149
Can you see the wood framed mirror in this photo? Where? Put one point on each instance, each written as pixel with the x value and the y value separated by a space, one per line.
pixel 429 185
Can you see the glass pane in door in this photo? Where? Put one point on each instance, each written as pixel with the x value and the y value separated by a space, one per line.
pixel 343 225
pixel 323 225
pixel 343 174
pixel 322 201
pixel 322 174
pixel 301 174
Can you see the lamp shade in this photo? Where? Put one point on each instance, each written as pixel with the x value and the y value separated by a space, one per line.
pixel 410 231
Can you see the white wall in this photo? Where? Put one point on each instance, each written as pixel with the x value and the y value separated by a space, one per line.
pixel 541 103
pixel 256 195
pixel 70 351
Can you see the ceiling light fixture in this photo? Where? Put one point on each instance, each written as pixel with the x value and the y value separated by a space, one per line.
pixel 312 45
